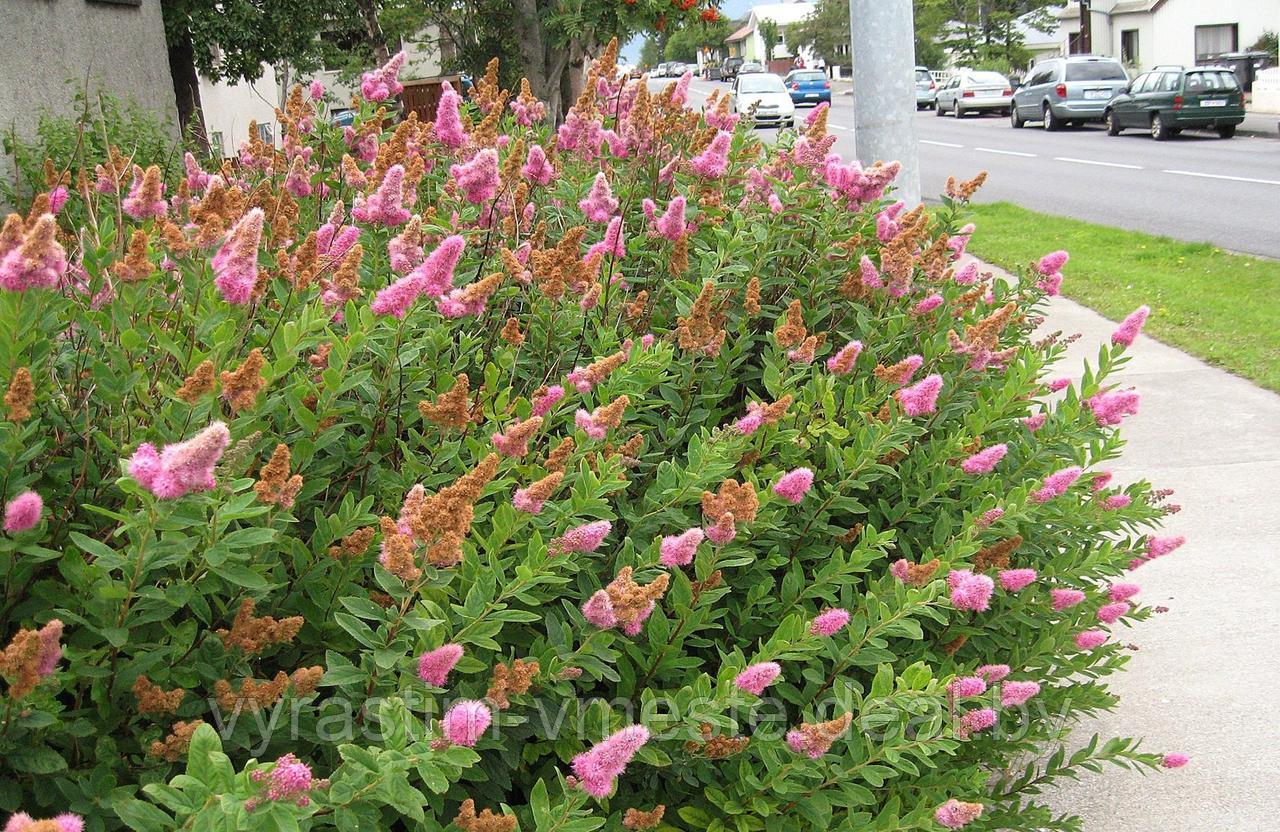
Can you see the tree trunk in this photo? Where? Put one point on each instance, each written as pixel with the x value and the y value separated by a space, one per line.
pixel 186 92
pixel 533 54
pixel 377 40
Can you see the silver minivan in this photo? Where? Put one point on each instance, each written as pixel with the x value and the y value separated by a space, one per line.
pixel 1070 90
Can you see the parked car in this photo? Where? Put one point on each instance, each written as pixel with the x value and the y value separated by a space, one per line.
pixel 750 66
pixel 731 66
pixel 678 69
pixel 768 96
pixel 926 89
pixel 660 71
pixel 1071 90
pixel 1170 99
pixel 808 86
pixel 969 91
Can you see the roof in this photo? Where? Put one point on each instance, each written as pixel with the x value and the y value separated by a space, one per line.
pixel 740 34
pixel 783 14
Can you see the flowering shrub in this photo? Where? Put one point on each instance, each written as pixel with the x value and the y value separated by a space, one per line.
pixel 473 473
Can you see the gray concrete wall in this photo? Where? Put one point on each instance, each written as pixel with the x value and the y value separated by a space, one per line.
pixel 44 44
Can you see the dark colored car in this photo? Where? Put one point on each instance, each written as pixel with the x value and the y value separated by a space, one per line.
pixel 730 68
pixel 808 86
pixel 1170 99
pixel 1069 90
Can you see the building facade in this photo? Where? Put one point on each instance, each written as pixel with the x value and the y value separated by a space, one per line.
pixel 1147 33
pixel 748 42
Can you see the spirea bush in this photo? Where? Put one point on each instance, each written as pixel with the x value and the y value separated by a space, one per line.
pixel 477 475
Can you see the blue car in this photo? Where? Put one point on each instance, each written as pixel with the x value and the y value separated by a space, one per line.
pixel 808 86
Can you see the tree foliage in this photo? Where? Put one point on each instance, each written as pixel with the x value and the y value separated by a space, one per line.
pixel 684 43
pixel 824 31
pixel 769 34
pixel 987 33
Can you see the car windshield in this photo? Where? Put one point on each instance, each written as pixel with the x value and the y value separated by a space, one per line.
pixel 985 78
pixel 1211 81
pixel 761 83
pixel 1095 71
pixel 808 76
pixel 923 75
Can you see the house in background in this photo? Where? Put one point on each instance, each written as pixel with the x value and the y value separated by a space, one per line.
pixel 229 108
pixel 1147 33
pixel 747 43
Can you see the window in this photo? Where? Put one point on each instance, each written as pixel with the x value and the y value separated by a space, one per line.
pixel 1041 75
pixel 1218 81
pixel 1129 46
pixel 1095 71
pixel 264 133
pixel 1144 82
pixel 1212 41
pixel 1168 82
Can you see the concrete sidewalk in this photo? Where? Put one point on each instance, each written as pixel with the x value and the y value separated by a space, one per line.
pixel 1203 681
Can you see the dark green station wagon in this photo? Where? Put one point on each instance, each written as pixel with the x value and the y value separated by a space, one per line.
pixel 1170 99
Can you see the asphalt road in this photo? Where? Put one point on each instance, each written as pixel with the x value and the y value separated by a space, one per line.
pixel 1195 187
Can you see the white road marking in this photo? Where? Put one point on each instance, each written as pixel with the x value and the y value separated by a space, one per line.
pixel 839 127
pixel 1095 162
pixel 1220 176
pixel 1004 152
pixel 941 144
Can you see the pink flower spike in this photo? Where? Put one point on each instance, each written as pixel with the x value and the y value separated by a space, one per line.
pixel 966 686
pixel 793 485
pixel 929 304
pixel 434 665
pixel 23 512
pixel 598 768
pixel 985 460
pixel 1113 612
pixel 599 611
pixel 988 517
pixel 448 124
pixel 922 397
pixel 1061 383
pixel 1116 501
pixel 1034 423
pixel 671 224
pixel 1065 598
pixel 1056 484
pixel 679 549
pixel 1100 480
pixel 714 160
pixel 1090 639
pixel 1130 327
pixel 993 672
pixel 970 591
pixel 543 404
pixel 385 206
pixel 1158 547
pixel 977 720
pixel 1013 580
pixel 724 530
pixel 1123 592
pixel 478 178
pixel 181 468
pixel 1111 407
pixel 830 622
pixel 900 569
pixel 757 677
pixel 1013 694
pixel 1052 262
pixel 235 265
pixel 465 723
pixel 584 538
pixel 599 205
pixel 955 814
pixel 1175 760
pixel 843 361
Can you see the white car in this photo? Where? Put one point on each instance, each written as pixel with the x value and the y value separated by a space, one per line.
pixel 971 92
pixel 768 96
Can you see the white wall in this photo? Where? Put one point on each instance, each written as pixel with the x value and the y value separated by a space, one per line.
pixel 228 108
pixel 1175 22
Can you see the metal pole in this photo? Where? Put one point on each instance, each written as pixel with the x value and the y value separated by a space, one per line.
pixel 884 92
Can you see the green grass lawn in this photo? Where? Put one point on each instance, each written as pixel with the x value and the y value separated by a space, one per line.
pixel 1217 306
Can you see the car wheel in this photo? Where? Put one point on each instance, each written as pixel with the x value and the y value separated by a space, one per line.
pixel 1015 120
pixel 1050 121
pixel 1159 130
pixel 1113 123
pixel 955 110
pixel 1226 131
pixel 937 110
